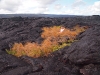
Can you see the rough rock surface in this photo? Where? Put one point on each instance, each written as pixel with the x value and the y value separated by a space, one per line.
pixel 86 51
pixel 81 58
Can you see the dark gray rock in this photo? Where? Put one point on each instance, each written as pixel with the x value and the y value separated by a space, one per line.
pixel 10 65
pixel 67 61
pixel 90 69
pixel 18 71
pixel 87 49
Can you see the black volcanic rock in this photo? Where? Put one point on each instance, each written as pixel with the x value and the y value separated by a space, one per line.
pixel 87 49
pixel 10 65
pixel 54 64
pixel 20 29
pixel 67 61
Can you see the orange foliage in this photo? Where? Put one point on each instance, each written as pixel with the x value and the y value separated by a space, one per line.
pixel 52 36
pixel 79 29
pixel 54 33
pixel 47 45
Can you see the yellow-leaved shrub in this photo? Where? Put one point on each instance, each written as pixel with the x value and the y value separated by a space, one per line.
pixel 53 40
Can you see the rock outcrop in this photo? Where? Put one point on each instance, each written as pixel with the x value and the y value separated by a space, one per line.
pixel 86 51
pixel 81 58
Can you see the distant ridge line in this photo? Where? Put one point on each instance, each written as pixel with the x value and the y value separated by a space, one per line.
pixel 35 15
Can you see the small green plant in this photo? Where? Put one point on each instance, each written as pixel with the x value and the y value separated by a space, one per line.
pixel 11 52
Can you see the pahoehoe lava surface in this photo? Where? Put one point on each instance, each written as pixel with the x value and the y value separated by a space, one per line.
pixel 81 58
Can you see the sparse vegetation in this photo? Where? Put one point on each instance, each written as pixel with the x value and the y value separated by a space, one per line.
pixel 53 40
